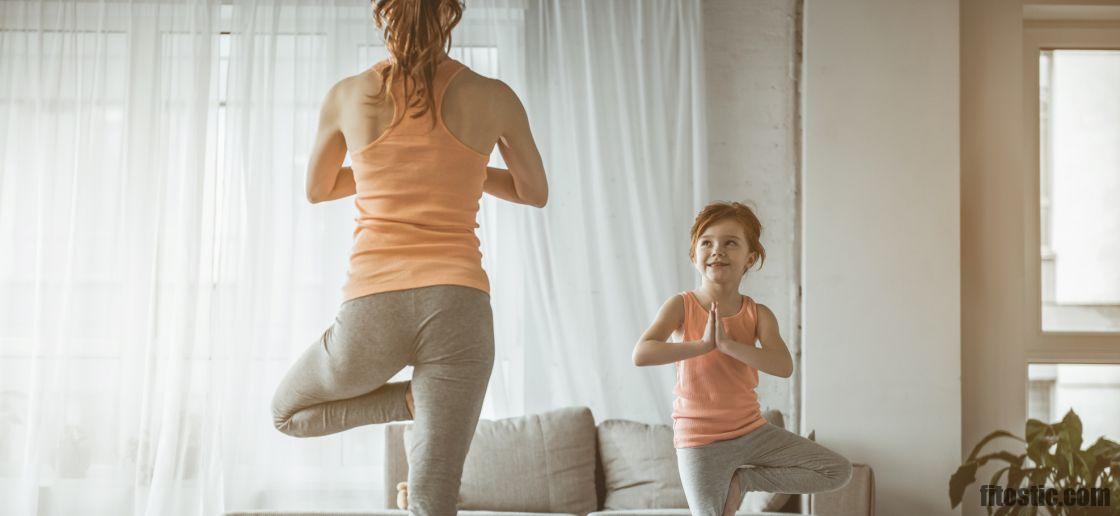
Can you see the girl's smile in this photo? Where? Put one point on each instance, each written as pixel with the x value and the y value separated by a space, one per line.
pixel 722 252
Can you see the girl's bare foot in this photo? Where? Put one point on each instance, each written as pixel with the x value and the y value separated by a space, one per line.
pixel 402 496
pixel 411 405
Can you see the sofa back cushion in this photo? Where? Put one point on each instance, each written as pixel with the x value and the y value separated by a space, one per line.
pixel 640 468
pixel 535 463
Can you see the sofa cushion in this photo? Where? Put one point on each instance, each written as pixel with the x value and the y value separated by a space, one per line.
pixel 639 466
pixel 534 463
pixel 640 469
pixel 761 501
pixel 380 513
pixel 856 497
pixel 675 512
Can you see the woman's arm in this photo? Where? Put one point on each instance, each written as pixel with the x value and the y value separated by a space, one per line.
pixel 324 168
pixel 653 349
pixel 499 183
pixel 772 358
pixel 519 150
pixel 344 186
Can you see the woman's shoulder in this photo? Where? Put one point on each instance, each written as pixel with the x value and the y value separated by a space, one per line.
pixel 360 83
pixel 478 85
pixel 484 97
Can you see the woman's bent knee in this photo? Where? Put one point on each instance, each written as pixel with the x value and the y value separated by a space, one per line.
pixel 839 473
pixel 283 423
pixel 282 419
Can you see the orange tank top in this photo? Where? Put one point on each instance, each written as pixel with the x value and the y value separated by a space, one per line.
pixel 418 188
pixel 715 393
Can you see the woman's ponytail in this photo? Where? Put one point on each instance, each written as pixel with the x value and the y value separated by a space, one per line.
pixel 417 32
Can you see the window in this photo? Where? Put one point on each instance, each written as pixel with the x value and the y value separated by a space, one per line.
pixel 1079 164
pixel 1071 340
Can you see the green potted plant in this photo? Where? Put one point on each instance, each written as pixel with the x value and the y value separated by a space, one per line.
pixel 1052 457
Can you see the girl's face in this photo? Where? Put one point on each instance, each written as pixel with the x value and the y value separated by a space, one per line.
pixel 722 252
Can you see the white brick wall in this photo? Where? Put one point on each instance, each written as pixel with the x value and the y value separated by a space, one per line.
pixel 750 49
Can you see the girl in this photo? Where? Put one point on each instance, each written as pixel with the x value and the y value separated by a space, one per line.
pixel 419 127
pixel 717 425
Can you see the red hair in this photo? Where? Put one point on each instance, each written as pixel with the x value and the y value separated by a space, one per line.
pixel 737 212
pixel 416 33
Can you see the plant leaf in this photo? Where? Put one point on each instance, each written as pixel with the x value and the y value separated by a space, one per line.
pixel 1007 456
pixel 999 472
pixel 989 437
pixel 1038 475
pixel 1072 425
pixel 965 475
pixel 1035 428
pixel 1016 474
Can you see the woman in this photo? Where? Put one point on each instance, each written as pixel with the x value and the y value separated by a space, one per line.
pixel 419 127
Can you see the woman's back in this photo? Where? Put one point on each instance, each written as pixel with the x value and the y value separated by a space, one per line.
pixel 474 109
pixel 418 183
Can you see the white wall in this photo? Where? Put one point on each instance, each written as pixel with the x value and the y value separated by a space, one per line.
pixel 881 242
pixel 750 66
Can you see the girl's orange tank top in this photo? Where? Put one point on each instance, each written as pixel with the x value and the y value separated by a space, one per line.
pixel 715 393
pixel 418 191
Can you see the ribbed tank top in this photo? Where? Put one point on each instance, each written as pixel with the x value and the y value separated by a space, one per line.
pixel 715 393
pixel 418 188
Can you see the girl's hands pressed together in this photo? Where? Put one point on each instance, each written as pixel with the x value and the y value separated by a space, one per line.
pixel 711 330
pixel 720 339
pixel 772 358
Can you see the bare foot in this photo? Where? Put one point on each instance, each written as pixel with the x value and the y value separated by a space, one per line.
pixel 402 496
pixel 411 405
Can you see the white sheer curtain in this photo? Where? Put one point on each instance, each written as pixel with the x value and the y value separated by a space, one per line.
pixel 161 268
pixel 615 95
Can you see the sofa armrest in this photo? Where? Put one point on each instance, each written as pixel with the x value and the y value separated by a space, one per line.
pixel 856 498
pixel 396 462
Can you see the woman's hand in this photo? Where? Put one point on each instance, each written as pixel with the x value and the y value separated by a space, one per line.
pixel 499 183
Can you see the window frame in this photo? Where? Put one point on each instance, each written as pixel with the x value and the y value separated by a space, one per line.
pixel 1088 347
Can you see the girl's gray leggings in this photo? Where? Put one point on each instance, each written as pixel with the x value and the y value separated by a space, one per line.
pixel 446 332
pixel 774 460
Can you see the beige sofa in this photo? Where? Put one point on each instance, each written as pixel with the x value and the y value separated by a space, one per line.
pixel 562 463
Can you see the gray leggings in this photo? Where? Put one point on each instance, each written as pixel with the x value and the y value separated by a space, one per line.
pixel 446 332
pixel 774 460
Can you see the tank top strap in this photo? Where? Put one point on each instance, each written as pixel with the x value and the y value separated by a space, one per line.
pixel 686 296
pixel 752 308
pixel 446 72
